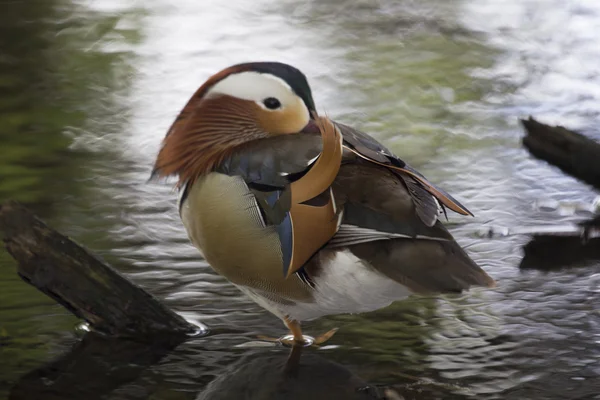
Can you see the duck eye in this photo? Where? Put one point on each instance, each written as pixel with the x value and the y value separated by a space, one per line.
pixel 272 103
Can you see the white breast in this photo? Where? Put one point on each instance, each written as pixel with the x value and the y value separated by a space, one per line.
pixel 347 285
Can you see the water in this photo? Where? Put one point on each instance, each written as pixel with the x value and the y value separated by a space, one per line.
pixel 88 89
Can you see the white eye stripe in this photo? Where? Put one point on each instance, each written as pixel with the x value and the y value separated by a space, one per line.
pixel 292 113
pixel 255 86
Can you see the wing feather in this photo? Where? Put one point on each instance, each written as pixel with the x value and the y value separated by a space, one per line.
pixel 423 192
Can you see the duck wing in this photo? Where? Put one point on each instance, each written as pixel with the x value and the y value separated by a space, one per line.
pixel 429 199
pixel 377 205
pixel 275 162
pixel 381 227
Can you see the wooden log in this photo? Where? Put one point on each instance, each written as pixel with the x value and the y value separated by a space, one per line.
pixel 574 153
pixel 84 284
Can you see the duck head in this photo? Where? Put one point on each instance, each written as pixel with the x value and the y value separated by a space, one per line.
pixel 242 103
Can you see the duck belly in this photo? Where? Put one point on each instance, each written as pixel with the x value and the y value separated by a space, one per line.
pixel 344 285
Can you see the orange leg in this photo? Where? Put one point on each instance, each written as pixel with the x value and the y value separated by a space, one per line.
pixel 325 337
pixel 297 338
pixel 294 327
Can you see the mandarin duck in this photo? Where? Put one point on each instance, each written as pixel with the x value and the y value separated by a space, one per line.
pixel 307 216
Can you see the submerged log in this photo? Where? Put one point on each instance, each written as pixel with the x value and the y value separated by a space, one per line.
pixel 84 284
pixel 274 375
pixel 577 245
pixel 547 252
pixel 574 153
pixel 555 246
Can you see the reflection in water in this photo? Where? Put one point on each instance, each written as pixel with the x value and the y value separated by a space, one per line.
pixel 441 83
pixel 33 111
pixel 93 368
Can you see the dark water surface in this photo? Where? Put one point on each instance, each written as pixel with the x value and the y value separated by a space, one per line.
pixel 88 89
